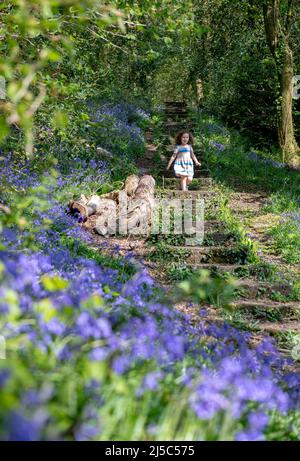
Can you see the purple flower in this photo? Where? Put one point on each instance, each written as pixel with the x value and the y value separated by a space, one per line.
pixel 151 380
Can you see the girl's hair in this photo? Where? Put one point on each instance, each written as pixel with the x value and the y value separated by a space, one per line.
pixel 179 136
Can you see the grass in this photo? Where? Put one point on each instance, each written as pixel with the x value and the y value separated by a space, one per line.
pixel 124 268
pixel 286 237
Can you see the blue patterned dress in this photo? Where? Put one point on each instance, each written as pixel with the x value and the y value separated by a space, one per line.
pixel 183 165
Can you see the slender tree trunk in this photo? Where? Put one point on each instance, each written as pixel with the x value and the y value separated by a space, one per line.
pixel 287 138
pixel 278 41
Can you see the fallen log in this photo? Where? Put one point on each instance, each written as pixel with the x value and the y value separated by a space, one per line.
pixel 125 211
pixel 140 208
pixel 85 206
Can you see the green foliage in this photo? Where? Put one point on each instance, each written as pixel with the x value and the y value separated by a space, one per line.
pixel 202 288
pixel 287 240
pixel 39 36
pixel 162 252
pixel 60 58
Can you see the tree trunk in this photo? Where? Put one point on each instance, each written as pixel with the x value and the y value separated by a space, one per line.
pixel 287 138
pixel 278 38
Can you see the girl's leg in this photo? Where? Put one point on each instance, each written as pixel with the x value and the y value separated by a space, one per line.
pixel 183 182
pixel 189 180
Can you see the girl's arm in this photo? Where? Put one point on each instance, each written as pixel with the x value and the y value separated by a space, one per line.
pixel 172 158
pixel 194 157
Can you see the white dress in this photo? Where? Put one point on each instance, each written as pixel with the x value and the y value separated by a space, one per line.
pixel 183 165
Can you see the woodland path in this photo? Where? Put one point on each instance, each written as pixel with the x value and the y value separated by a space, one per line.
pixel 254 308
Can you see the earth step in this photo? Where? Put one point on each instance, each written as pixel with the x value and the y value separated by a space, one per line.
pixel 251 289
pixel 199 182
pixel 266 304
pixel 175 108
pixel 215 237
pixel 211 267
pixel 173 127
pixel 198 173
pixel 175 116
pixel 275 328
pixel 170 148
pixel 177 124
pixel 149 136
pixel 189 194
pixel 213 224
pixel 176 111
pixel 175 103
pixel 197 254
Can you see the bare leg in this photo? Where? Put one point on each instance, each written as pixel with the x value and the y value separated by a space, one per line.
pixel 189 180
pixel 183 182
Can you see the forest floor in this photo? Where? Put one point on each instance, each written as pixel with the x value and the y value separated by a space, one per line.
pixel 264 302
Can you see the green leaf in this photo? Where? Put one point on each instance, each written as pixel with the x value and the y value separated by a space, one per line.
pixel 4 129
pixel 54 283
pixel 46 308
pixel 60 120
pixel 168 40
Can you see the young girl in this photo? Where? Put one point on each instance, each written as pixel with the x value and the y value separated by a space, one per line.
pixel 184 157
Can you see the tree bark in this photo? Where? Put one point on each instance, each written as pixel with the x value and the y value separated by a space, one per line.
pixel 277 36
pixel 287 138
pixel 127 211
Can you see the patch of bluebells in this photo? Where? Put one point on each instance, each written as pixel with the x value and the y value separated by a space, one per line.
pixel 117 128
pixel 21 176
pixel 236 374
pixel 135 328
pixel 253 156
pixel 214 128
pixel 267 161
pixel 292 217
pixel 95 317
pixel 220 147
